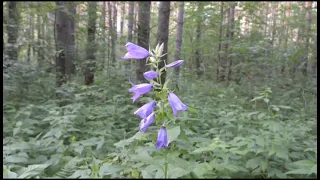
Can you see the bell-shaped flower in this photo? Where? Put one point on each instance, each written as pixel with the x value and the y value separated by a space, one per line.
pixel 139 90
pixel 175 64
pixel 145 123
pixel 150 75
pixel 176 104
pixel 162 140
pixel 145 110
pixel 135 52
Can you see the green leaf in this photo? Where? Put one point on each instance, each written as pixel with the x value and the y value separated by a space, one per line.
pixel 108 169
pixel 313 170
pixel 282 153
pixel 192 110
pixel 299 171
pixel 253 163
pixel 135 173
pixel 260 141
pixel 173 133
pixel 15 159
pixel 202 169
pixel 33 170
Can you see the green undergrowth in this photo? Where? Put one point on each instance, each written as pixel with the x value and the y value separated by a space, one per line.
pixel 251 130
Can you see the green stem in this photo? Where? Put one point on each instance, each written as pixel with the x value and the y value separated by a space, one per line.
pixel 166 167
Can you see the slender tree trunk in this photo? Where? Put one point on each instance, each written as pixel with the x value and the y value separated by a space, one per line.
pixel 179 38
pixel 103 24
pixel 198 41
pixel 12 29
pixel 163 33
pixel 91 46
pixel 220 40
pixel 40 49
pixel 224 58
pixel 135 31
pixel 307 39
pixel 65 42
pixel 31 33
pixel 122 18
pixel 130 26
pixel 130 20
pixel 287 15
pixel 115 18
pixel 143 36
pixel 273 35
pixel 266 19
pixel 231 17
pixel 111 35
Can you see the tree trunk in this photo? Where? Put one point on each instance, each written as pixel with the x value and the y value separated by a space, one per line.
pixel 115 18
pixel 179 38
pixel 273 35
pixel 111 36
pixel 163 33
pixel 231 17
pixel 220 41
pixel 103 24
pixel 224 60
pixel 122 18
pixel 307 39
pixel 135 31
pixel 266 19
pixel 39 42
pixel 12 29
pixel 65 41
pixel 130 20
pixel 198 41
pixel 91 46
pixel 143 36
pixel 287 15
pixel 31 33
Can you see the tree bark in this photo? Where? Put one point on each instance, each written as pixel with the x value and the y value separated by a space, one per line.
pixel 143 36
pixel 220 41
pixel 12 29
pixel 232 8
pixel 179 38
pixel 111 35
pixel 307 39
pixel 39 41
pixel 198 41
pixel 65 41
pixel 122 18
pixel 103 24
pixel 130 20
pixel 91 46
pixel 163 33
pixel 115 18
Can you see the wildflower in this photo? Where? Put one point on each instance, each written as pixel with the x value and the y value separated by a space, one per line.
pixel 175 64
pixel 139 90
pixel 145 123
pixel 150 75
pixel 135 52
pixel 176 104
pixel 162 140
pixel 145 110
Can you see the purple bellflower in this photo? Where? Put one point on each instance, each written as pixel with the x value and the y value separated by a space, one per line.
pixel 145 123
pixel 162 140
pixel 135 52
pixel 175 64
pixel 139 90
pixel 176 104
pixel 145 110
pixel 150 75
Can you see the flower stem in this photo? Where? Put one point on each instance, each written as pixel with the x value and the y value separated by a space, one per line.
pixel 166 166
